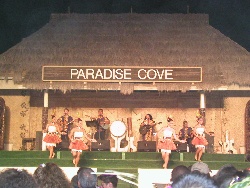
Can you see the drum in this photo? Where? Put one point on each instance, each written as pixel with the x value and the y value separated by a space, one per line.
pixel 118 128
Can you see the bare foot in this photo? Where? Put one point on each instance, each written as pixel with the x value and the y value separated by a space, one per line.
pixel 195 157
pixel 53 155
pixel 164 166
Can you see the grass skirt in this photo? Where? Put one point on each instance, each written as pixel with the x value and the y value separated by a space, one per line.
pixel 199 140
pixel 78 145
pixel 167 144
pixel 52 138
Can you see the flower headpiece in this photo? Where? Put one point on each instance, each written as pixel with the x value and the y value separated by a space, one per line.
pixel 170 118
pixel 198 114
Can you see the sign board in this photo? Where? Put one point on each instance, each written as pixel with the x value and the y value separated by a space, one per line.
pixel 121 74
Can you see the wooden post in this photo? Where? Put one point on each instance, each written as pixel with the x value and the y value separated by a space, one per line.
pixel 2 122
pixel 129 122
pixel 203 106
pixel 45 109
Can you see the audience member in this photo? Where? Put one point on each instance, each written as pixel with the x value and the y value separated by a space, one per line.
pixel 74 181
pixel 194 180
pixel 51 175
pixel 247 171
pixel 179 171
pixel 224 175
pixel 108 181
pixel 16 178
pixel 86 178
pixel 228 175
pixel 201 167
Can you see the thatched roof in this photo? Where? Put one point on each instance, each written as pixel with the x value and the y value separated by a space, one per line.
pixel 128 40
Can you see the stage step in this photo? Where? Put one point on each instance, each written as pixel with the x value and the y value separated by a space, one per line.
pixel 125 161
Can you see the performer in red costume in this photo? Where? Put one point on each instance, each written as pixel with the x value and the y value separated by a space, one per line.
pixel 52 138
pixel 199 139
pixel 77 144
pixel 165 141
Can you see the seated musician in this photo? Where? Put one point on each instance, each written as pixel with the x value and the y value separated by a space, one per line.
pixel 103 125
pixel 186 133
pixel 147 128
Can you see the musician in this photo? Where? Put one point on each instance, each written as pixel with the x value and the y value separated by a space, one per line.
pixel 199 138
pixel 52 138
pixel 66 122
pixel 103 125
pixel 165 141
pixel 186 133
pixel 147 128
pixel 77 145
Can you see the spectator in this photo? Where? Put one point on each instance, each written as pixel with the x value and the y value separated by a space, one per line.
pixel 50 175
pixel 201 167
pixel 247 171
pixel 74 181
pixel 225 175
pixel 86 178
pixel 194 180
pixel 228 175
pixel 179 171
pixel 16 178
pixel 108 181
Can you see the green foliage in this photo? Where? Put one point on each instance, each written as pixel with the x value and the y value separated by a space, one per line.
pixel 242 184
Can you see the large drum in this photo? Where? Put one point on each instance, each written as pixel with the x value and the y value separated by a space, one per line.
pixel 118 128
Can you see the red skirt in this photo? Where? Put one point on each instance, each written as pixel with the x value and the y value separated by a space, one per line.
pixel 199 140
pixel 52 138
pixel 167 144
pixel 78 145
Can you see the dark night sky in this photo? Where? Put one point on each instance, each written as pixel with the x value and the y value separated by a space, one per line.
pixel 20 18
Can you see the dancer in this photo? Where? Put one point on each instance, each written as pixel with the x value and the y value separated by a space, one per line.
pixel 52 138
pixel 199 138
pixel 165 141
pixel 77 144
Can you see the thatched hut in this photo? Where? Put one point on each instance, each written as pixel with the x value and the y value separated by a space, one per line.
pixel 142 40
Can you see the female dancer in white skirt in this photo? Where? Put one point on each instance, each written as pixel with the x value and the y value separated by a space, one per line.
pixel 53 136
pixel 165 140
pixel 77 144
